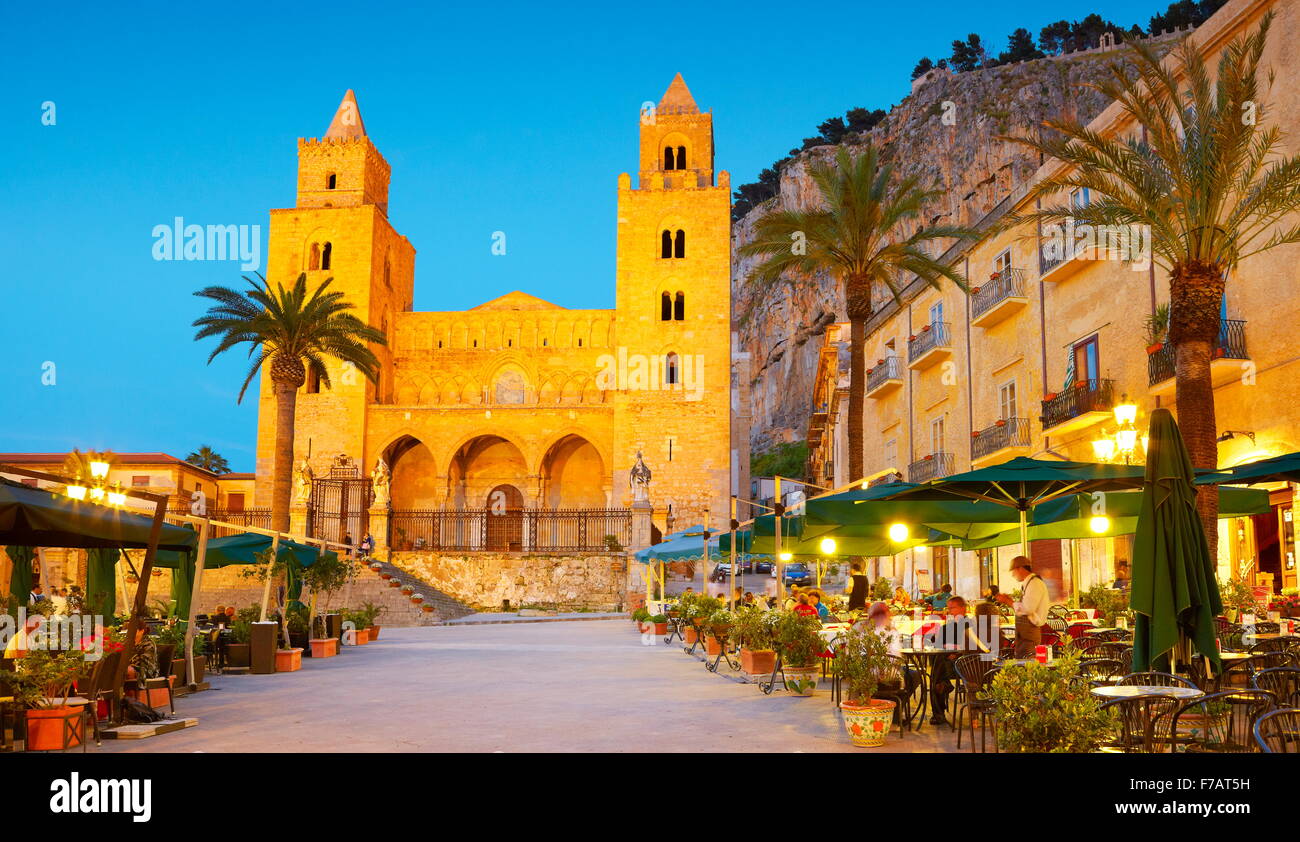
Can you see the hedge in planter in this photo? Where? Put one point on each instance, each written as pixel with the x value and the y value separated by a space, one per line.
pixel 798 638
pixel 756 630
pixel 1043 709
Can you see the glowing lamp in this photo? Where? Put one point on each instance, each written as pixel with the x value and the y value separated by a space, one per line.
pixel 1126 440
pixel 116 498
pixel 898 532
pixel 98 469
pixel 1099 524
pixel 77 492
pixel 786 556
pixel 1103 449
pixel 1126 413
pixel 828 546
pixel 97 493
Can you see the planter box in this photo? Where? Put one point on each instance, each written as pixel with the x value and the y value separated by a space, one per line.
pixel 237 654
pixel 713 646
pixel 374 632
pixel 55 729
pixel 326 647
pixel 661 628
pixel 155 697
pixel 288 660
pixel 262 652
pixel 360 637
pixel 758 661
pixel 691 635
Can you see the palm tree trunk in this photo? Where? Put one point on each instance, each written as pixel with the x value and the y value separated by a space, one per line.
pixel 857 397
pixel 286 402
pixel 1196 295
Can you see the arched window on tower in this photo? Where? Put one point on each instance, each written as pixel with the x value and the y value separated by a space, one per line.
pixel 672 369
pixel 679 244
pixel 666 244
pixel 331 182
pixel 669 163
pixel 681 157
pixel 313 262
pixel 679 307
pixel 326 253
pixel 665 308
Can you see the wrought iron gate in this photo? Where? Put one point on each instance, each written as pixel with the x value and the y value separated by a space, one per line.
pixel 339 508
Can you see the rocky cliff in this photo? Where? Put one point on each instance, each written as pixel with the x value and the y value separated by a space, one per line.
pixel 781 327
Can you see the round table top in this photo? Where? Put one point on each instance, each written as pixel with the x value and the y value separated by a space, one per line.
pixel 1103 629
pixel 1267 636
pixel 1234 656
pixel 1024 662
pixel 1133 691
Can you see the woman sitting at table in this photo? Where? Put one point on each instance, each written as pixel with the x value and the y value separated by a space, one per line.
pixel 901 598
pixel 803 607
pixel 144 658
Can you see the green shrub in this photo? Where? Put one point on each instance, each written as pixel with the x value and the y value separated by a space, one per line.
pixel 1044 709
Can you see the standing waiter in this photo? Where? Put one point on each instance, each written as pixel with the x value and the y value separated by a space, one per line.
pixel 1031 610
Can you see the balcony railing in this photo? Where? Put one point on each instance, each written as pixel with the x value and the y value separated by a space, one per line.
pixel 937 336
pixel 1012 432
pixel 1230 345
pixel 887 370
pixel 1010 283
pixel 525 530
pixel 1081 397
pixel 931 467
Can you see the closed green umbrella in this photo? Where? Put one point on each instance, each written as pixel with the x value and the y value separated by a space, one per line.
pixel 1174 593
pixel 101 580
pixel 20 583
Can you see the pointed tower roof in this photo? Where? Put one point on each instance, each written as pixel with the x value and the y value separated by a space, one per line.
pixel 678 98
pixel 347 119
pixel 517 301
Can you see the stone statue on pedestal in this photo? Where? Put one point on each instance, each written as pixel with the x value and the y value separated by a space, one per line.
pixel 380 480
pixel 639 480
pixel 303 478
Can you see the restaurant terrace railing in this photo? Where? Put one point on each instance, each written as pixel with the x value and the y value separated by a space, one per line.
pixel 887 370
pixel 934 335
pixel 257 518
pixel 1083 396
pixel 1007 284
pixel 1010 432
pixel 930 467
pixel 523 530
pixel 1231 345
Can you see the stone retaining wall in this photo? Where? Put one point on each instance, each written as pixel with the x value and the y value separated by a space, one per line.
pixel 486 580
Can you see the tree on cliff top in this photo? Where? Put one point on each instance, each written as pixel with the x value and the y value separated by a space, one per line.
pixel 862 239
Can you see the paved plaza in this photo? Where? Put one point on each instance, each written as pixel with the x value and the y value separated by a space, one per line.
pixel 521 687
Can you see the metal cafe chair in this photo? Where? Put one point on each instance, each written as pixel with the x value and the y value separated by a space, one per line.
pixel 1155 679
pixel 1282 682
pixel 1278 732
pixel 1101 671
pixel 1229 730
pixel 975 673
pixel 1137 720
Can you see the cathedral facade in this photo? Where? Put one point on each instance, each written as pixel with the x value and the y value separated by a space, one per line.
pixel 520 402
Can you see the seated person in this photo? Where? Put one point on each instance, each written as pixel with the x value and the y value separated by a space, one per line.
pixel 748 600
pixel 957 634
pixel 939 599
pixel 901 597
pixel 815 599
pixel 144 658
pixel 804 606
pixel 1121 574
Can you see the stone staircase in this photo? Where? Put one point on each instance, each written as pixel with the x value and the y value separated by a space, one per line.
pixel 370 586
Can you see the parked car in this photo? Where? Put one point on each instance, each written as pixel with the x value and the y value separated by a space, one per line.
pixel 744 566
pixel 763 568
pixel 797 573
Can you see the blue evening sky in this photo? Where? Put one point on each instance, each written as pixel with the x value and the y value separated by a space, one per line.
pixel 515 117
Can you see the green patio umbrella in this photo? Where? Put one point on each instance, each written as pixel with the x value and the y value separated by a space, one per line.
pixel 101 580
pixel 1285 468
pixel 1173 592
pixel 20 582
pixel 1023 483
pixel 39 518
pixel 1071 517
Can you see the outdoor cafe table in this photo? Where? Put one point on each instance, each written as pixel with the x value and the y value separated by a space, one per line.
pixel 1103 630
pixel 1258 636
pixel 1023 662
pixel 923 659
pixel 1135 691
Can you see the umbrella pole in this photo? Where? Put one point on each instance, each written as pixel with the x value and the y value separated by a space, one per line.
pixel 1024 533
pixel 266 583
pixel 779 590
pixel 731 530
pixel 194 592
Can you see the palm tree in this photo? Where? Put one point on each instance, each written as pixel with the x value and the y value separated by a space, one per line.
pixel 1208 182
pixel 860 238
pixel 208 459
pixel 295 331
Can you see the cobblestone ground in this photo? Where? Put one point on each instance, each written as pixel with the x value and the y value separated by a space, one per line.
pixel 527 687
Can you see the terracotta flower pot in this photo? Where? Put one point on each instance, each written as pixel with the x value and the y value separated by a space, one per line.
pixel 46 728
pixel 374 633
pixel 757 661
pixel 1155 348
pixel 360 637
pixel 288 660
pixel 868 725
pixel 661 628
pixel 713 646
pixel 385 575
pixel 326 647
pixel 691 635
pixel 426 608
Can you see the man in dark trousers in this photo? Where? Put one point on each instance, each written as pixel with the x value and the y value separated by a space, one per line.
pixel 1031 609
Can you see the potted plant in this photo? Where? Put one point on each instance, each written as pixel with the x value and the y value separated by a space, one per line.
pixel 1237 597
pixel 639 616
pixel 426 608
pixel 325 577
pixel 371 613
pixel 719 625
pixel 863 664
pixel 799 641
pixel 660 623
pixel 288 660
pixel 1043 709
pixel 241 635
pixel 756 630
pixel 42 683
pixel 1157 329
pixel 359 621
